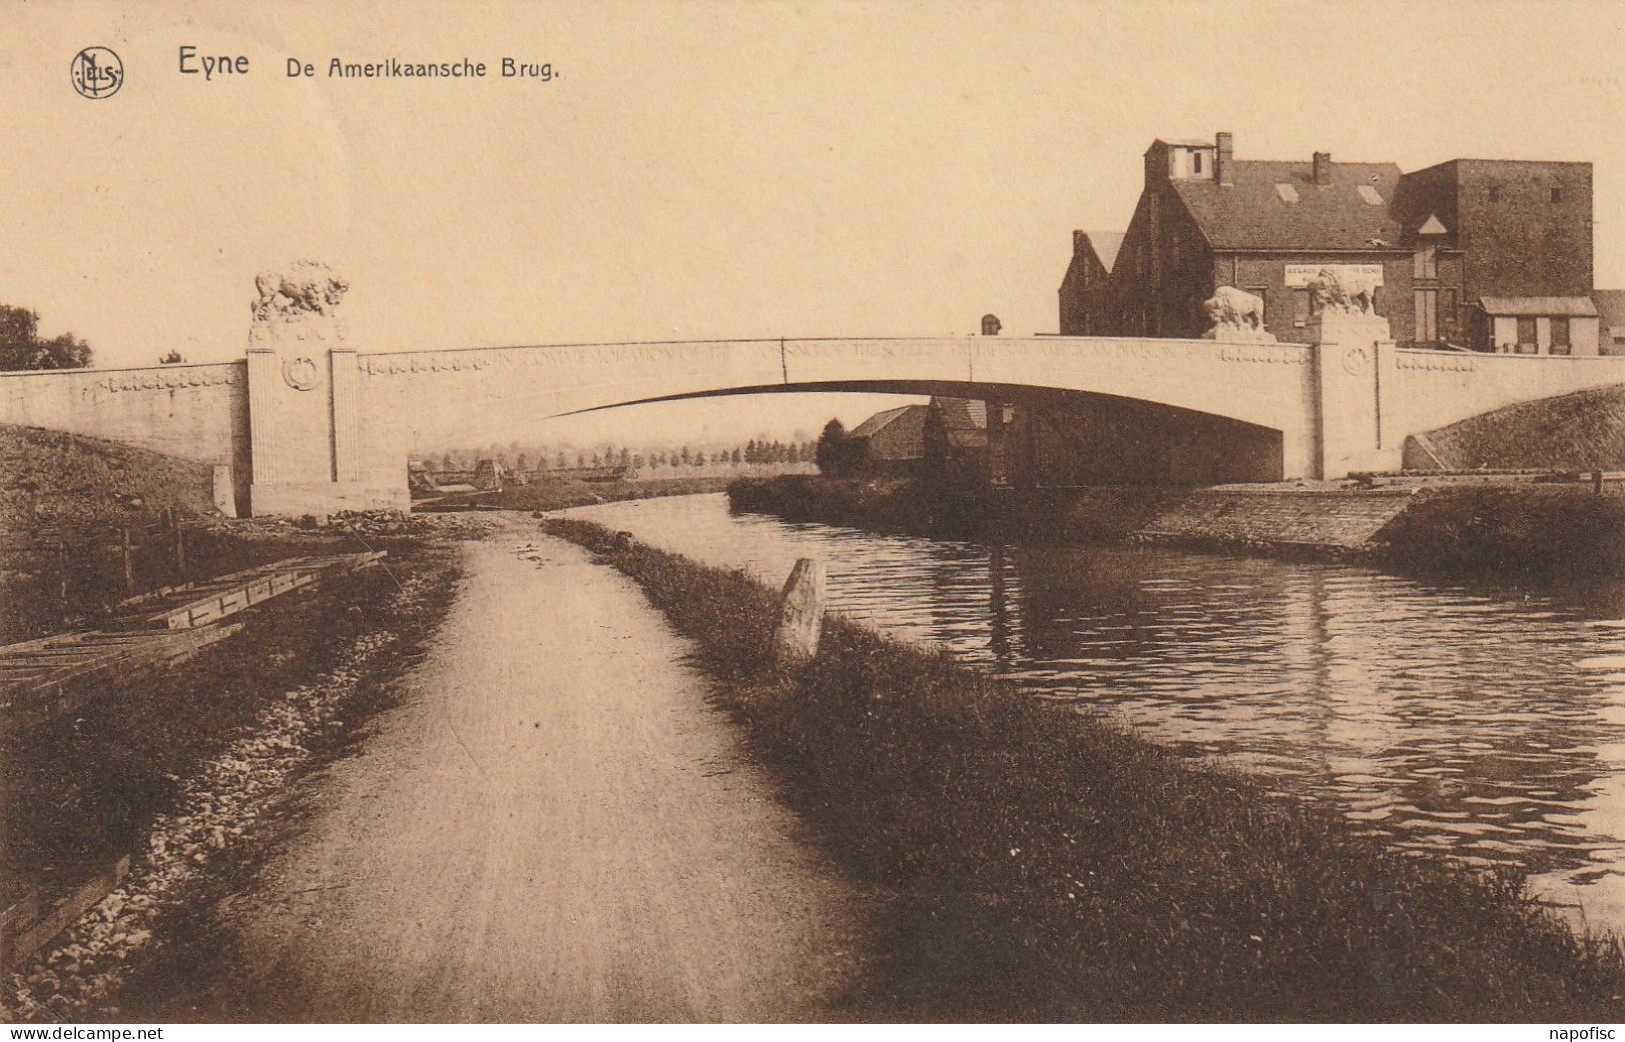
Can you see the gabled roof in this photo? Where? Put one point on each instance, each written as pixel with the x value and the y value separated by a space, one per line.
pixel 964 421
pixel 961 414
pixel 881 420
pixel 1578 307
pixel 1254 214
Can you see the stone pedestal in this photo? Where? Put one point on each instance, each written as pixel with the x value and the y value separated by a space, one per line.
pixel 303 421
pixel 1354 358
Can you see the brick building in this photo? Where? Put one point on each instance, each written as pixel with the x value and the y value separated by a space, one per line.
pixel 890 442
pixel 1488 254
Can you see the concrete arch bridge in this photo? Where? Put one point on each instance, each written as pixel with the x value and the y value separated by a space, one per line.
pixel 307 424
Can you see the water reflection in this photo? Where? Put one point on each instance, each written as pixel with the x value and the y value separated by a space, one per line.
pixel 1486 723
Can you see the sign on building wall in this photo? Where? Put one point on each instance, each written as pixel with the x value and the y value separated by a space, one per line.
pixel 1299 275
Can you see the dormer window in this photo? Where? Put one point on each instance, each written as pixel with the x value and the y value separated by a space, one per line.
pixel 1370 195
pixel 1287 193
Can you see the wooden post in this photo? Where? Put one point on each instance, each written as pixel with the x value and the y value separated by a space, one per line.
pixel 129 560
pixel 180 549
pixel 62 573
pixel 1596 482
pixel 801 614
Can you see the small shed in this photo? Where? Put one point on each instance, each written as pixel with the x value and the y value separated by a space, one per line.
pixel 890 442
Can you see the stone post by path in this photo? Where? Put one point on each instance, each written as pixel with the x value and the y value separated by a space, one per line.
pixel 801 614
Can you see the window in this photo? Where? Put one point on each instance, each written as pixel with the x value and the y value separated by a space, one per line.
pixel 1449 317
pixel 1427 316
pixel 1526 335
pixel 1301 308
pixel 1560 336
pixel 1196 162
pixel 1557 195
pixel 1426 264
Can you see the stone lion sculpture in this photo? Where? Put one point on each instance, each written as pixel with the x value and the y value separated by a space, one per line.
pixel 306 287
pixel 1345 293
pixel 1236 315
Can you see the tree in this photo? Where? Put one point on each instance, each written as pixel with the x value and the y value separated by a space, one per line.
pixel 835 455
pixel 736 457
pixel 22 348
pixel 521 463
pixel 699 458
pixel 173 358
pixel 687 456
pixel 626 457
pixel 561 463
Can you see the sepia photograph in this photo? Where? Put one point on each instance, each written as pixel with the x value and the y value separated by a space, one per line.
pixel 812 512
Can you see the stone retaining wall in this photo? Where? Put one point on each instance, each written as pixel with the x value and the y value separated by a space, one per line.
pixel 1329 519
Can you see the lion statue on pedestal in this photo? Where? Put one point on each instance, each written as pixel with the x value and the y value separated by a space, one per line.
pixel 304 288
pixel 1345 292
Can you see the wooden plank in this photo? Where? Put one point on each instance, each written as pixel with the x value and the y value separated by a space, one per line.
pixel 26 703
pixel 19 942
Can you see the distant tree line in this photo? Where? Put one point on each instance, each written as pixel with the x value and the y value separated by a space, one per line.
pixel 535 459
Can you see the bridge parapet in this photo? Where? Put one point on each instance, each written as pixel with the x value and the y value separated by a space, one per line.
pixel 328 428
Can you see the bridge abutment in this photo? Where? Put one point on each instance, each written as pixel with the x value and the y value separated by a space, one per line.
pixel 1356 408
pixel 305 425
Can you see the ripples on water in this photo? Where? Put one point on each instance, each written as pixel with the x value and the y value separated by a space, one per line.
pixel 1485 723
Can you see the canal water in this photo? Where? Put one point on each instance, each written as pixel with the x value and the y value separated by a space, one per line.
pixel 1484 722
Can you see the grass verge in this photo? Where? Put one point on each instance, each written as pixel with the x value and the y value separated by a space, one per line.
pixel 189 772
pixel 1523 532
pixel 1044 865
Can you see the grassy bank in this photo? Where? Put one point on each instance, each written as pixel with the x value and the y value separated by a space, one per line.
pixel 882 504
pixel 1580 431
pixel 51 478
pixel 187 773
pixel 561 493
pixel 1523 532
pixel 1040 864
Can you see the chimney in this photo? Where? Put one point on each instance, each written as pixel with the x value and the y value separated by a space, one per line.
pixel 1224 158
pixel 1323 168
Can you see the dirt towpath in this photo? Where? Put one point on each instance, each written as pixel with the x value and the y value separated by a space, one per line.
pixel 553 827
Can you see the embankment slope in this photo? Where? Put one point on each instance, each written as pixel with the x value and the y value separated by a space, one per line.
pixel 1580 431
pixel 54 478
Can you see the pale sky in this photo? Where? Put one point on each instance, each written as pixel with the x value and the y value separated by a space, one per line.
pixel 714 170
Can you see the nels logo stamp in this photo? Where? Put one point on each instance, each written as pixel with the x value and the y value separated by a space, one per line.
pixel 97 72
